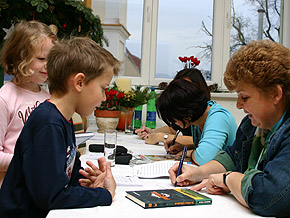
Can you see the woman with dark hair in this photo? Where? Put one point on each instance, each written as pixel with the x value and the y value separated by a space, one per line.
pixel 185 104
pixel 195 76
pixel 166 134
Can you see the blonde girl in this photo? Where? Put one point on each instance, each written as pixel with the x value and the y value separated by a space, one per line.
pixel 23 55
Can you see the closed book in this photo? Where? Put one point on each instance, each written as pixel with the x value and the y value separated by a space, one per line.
pixel 167 198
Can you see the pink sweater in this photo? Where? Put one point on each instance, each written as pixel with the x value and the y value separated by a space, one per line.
pixel 16 104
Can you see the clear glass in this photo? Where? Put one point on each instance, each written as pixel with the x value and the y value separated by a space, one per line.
pixel 180 34
pixel 129 121
pixel 110 143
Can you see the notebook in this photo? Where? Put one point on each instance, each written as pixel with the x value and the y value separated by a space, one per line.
pixel 82 137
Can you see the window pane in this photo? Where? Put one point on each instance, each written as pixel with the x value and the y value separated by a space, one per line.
pixel 132 63
pixel 180 34
pixel 245 22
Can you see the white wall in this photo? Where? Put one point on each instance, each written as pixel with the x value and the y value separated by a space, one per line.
pixel 228 101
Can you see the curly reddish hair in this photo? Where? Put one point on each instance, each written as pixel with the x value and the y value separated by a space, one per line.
pixel 261 63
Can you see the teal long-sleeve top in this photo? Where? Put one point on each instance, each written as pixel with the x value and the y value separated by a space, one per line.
pixel 219 132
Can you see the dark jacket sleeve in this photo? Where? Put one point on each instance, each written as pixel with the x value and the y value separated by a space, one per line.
pixel 266 190
pixel 48 184
pixel 269 191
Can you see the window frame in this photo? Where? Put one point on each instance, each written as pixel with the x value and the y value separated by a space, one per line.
pixel 220 42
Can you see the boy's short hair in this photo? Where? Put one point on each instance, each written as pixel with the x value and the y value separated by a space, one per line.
pixel 19 48
pixel 78 54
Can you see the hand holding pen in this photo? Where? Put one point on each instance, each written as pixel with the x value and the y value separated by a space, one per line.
pixel 181 163
pixel 173 141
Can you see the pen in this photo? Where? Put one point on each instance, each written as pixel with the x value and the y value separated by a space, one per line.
pixel 174 139
pixel 181 163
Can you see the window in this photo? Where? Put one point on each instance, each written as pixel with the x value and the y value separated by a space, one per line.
pixel 162 30
pixel 180 33
pixel 248 18
pixel 133 56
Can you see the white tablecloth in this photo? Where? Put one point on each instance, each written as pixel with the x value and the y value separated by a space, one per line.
pixel 222 205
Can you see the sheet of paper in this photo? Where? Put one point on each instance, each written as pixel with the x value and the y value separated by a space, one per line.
pixel 93 156
pixel 122 180
pixel 153 170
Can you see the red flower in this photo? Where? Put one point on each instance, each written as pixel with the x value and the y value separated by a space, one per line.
pixel 113 99
pixel 120 95
pixel 113 92
pixel 189 61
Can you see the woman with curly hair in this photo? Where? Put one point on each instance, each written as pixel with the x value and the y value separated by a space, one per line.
pixel 256 167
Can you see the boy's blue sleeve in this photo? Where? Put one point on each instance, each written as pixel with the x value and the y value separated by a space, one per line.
pixel 45 173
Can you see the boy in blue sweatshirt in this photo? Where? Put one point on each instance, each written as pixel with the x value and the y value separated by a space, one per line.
pixel 45 172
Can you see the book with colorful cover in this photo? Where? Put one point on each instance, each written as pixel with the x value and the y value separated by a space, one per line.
pixel 167 198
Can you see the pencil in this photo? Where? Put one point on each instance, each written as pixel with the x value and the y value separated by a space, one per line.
pixel 174 139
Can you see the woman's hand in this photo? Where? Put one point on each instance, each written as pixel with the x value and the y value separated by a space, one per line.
pixel 143 132
pixel 174 149
pixel 153 138
pixel 189 175
pixel 214 185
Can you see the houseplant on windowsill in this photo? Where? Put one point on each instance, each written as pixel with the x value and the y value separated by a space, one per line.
pixel 107 115
pixel 133 98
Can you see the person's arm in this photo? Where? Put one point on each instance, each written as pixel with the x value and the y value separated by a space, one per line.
pixel 215 136
pixel 155 138
pixel 216 185
pixel 144 132
pixel 234 181
pixel 46 177
pixel 5 158
pixel 98 176
pixel 191 175
pixel 178 147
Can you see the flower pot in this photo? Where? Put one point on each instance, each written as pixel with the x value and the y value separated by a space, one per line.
pixel 106 119
pixel 125 112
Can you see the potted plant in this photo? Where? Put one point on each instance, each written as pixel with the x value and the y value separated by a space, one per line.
pixel 107 115
pixel 133 98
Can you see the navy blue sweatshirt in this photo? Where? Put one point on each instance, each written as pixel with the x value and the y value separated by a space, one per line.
pixel 43 174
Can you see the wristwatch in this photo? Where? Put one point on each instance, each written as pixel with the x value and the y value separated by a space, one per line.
pixel 165 138
pixel 225 176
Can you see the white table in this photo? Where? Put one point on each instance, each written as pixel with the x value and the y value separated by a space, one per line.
pixel 222 205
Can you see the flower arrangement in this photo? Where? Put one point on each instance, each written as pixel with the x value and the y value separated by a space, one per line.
pixel 136 97
pixel 116 99
pixel 189 61
pixel 113 99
